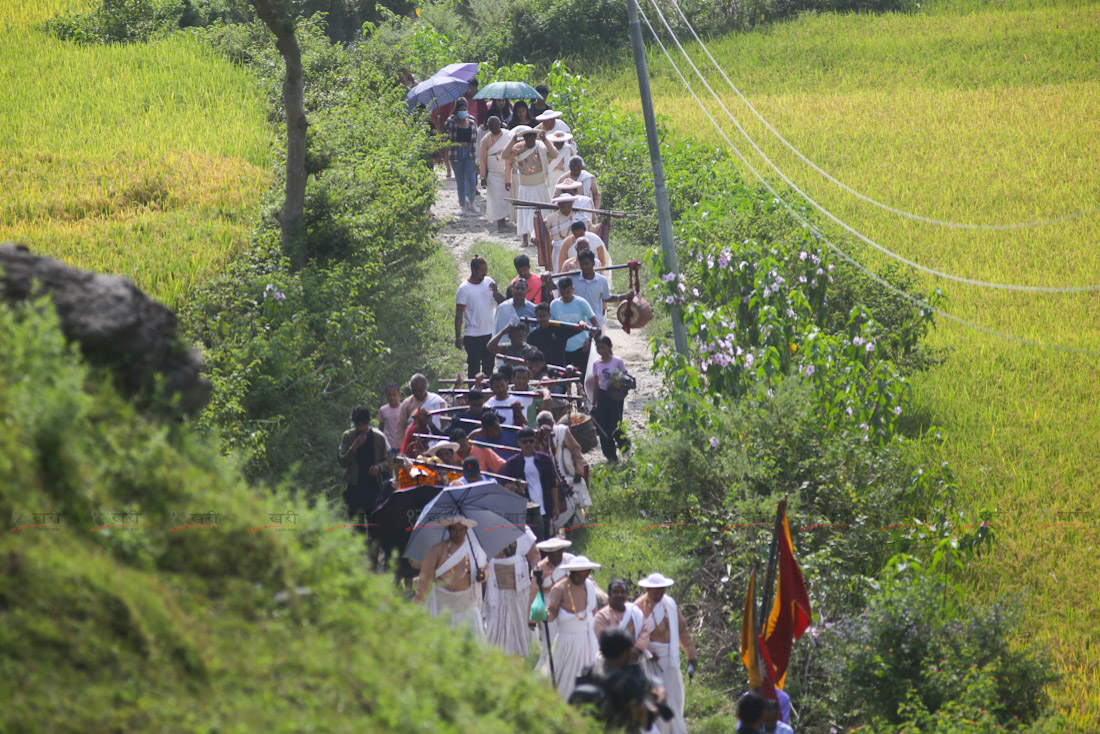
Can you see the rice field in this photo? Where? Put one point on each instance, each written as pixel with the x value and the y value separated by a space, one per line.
pixel 144 160
pixel 975 112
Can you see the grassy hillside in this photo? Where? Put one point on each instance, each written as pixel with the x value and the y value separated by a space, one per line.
pixel 146 159
pixel 236 626
pixel 982 113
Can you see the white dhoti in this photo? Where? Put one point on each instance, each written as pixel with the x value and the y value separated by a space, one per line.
pixel 525 216
pixel 575 646
pixel 496 208
pixel 506 621
pixel 460 608
pixel 672 679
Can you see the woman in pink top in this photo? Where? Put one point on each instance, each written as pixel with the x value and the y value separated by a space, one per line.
pixel 608 412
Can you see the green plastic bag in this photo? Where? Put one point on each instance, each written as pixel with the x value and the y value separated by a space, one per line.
pixel 538 609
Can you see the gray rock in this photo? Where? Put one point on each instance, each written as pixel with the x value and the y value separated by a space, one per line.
pixel 115 324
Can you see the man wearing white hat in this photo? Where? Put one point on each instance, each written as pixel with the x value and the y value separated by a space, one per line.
pixel 508 595
pixel 668 632
pixel 532 161
pixel 572 604
pixel 566 148
pixel 550 121
pixel 453 571
pixel 560 221
pixel 552 573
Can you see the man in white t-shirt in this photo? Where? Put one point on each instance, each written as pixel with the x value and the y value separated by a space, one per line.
pixel 595 288
pixel 421 398
pixel 474 308
pixel 503 403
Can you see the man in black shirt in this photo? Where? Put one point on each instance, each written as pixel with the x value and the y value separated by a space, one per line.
pixel 550 339
pixel 365 457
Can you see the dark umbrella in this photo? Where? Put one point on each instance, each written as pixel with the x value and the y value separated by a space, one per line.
pixel 500 515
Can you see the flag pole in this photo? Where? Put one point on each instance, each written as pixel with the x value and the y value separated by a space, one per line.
pixel 769 578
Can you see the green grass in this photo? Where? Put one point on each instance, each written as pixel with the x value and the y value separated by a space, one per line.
pixel 975 112
pixel 146 160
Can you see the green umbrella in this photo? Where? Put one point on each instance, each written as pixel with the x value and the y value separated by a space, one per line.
pixel 508 90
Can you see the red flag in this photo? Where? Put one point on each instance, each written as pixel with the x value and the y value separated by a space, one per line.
pixel 790 615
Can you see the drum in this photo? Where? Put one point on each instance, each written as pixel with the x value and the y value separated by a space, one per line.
pixel 583 429
pixel 634 314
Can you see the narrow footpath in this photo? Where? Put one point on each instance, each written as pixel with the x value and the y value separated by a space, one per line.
pixel 462 233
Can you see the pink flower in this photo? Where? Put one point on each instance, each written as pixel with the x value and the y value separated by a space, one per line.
pixel 714 445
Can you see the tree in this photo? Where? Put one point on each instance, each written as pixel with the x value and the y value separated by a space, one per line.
pixel 274 15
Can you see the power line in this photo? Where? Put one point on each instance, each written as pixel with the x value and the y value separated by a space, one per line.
pixel 859 235
pixel 845 256
pixel 849 189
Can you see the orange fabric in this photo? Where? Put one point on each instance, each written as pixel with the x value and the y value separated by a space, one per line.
pixel 790 614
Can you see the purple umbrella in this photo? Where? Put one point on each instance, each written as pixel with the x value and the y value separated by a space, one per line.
pixel 465 72
pixel 436 91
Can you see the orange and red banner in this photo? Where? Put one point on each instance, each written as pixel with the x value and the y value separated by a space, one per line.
pixel 790 614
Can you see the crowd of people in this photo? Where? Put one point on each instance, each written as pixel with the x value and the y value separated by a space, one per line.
pixel 536 355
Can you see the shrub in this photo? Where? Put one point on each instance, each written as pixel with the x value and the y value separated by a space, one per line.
pixel 916 648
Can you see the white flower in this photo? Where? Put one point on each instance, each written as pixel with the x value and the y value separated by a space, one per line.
pixel 714 445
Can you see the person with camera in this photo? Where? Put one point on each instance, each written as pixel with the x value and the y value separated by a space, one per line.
pixel 617 690
pixel 612 384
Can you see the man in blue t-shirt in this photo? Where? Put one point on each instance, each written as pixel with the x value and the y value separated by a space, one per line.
pixel 573 310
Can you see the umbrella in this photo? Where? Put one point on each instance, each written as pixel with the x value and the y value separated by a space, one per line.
pixel 465 72
pixel 439 90
pixel 500 516
pixel 397 515
pixel 508 90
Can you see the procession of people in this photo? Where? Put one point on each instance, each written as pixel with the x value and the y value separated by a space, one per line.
pixel 476 484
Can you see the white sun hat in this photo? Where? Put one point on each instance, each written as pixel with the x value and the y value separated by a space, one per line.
pixel 457 520
pixel 442 446
pixel 559 136
pixel 563 198
pixel 553 544
pixel 520 130
pixel 656 581
pixel 580 563
pixel 549 115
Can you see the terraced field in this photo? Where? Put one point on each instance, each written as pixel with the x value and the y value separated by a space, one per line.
pixel 981 113
pixel 146 160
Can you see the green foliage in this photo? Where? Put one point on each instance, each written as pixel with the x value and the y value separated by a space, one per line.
pixel 164 627
pixel 121 21
pixel 918 646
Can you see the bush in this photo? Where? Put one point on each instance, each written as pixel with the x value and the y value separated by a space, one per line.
pixel 918 647
pixel 122 21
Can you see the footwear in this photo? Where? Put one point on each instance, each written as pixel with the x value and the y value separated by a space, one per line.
pixel 502 225
pixel 473 208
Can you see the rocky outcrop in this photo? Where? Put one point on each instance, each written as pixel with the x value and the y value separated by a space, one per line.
pixel 116 325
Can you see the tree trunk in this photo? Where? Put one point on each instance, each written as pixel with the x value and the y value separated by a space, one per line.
pixel 274 15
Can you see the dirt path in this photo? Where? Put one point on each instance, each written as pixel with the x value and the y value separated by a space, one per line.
pixel 463 232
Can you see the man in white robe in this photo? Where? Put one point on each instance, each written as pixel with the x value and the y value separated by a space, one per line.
pixel 668 633
pixel 451 577
pixel 531 158
pixel 560 221
pixel 572 604
pixel 508 595
pixel 496 172
pixel 588 185
pixel 623 614
pixel 563 142
pixel 552 573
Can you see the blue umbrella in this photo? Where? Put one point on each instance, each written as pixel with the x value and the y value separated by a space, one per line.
pixel 465 72
pixel 501 516
pixel 508 90
pixel 436 91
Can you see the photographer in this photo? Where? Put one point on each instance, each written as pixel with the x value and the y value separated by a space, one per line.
pixel 618 691
pixel 364 455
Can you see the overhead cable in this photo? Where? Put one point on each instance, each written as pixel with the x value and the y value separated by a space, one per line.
pixel 856 233
pixel 845 256
pixel 849 189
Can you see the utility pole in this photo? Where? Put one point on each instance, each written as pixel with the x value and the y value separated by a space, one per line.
pixel 660 190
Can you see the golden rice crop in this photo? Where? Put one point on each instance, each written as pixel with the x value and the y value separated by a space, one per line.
pixel 977 113
pixel 145 160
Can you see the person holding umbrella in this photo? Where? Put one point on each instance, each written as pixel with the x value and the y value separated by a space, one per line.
pixel 462 131
pixel 451 577
pixel 500 109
